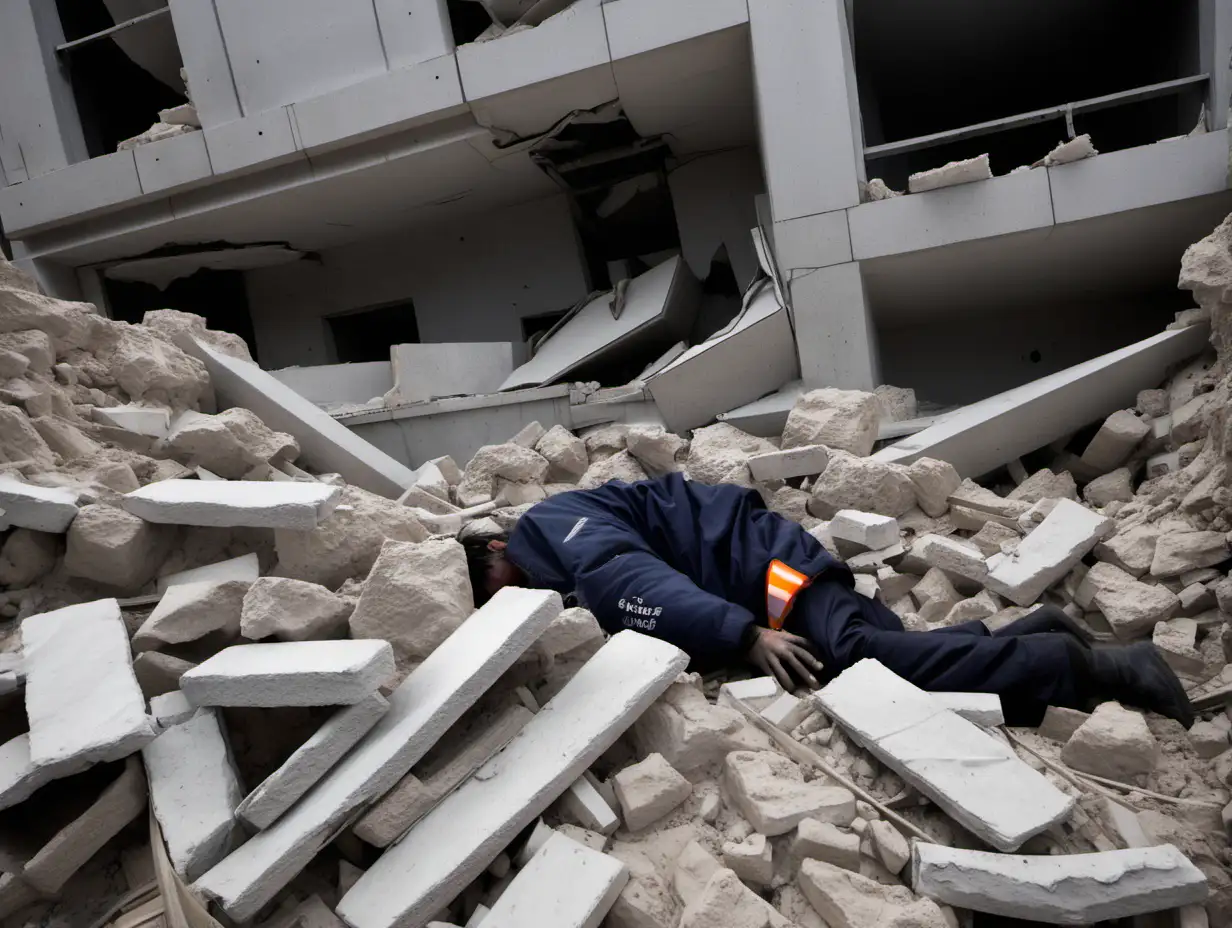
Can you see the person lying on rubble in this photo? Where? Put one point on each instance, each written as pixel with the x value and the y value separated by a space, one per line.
pixel 711 570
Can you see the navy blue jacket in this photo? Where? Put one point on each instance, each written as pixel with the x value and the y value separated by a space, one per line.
pixel 675 559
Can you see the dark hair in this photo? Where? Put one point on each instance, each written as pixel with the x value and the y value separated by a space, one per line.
pixel 478 559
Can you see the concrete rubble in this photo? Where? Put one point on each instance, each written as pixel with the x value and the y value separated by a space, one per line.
pixel 292 651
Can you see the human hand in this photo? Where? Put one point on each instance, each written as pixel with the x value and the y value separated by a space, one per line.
pixel 784 655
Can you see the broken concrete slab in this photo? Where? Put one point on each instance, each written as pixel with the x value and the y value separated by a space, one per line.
pixel 770 791
pixel 245 567
pixel 446 766
pixel 978 708
pixel 326 445
pixel 863 531
pixel 1132 549
pixel 292 610
pixel 1115 441
pixel 864 484
pixel 20 777
pixel 804 461
pixel 1065 889
pixel 159 673
pixel 1115 486
pixel 648 790
pixel 194 790
pixel 952 556
pixel 422 708
pixel 189 611
pixel 153 421
pixel 1176 640
pixel 849 900
pixel 1048 553
pixel 1131 607
pixel 1114 742
pixel 725 902
pixel 82 698
pixel 234 503
pixel 311 761
pixel 982 436
pixel 931 748
pixel 842 420
pixel 816 840
pixel 751 859
pixel 691 733
pixel 566 884
pixel 891 847
pixel 170 709
pixel 290 673
pixel 423 372
pixel 460 837
pixel 73 845
pixel 1180 552
pixel 565 454
pixel 44 509
pixel 950 175
pixel 692 871
pixel 114 547
pixel 934 482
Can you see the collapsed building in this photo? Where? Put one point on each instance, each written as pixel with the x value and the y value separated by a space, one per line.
pixel 488 252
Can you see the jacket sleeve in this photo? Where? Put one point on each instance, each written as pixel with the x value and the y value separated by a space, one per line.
pixel 639 591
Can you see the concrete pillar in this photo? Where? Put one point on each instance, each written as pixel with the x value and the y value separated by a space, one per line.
pixel 807 104
pixel 835 336
pixel 1215 55
pixel 38 114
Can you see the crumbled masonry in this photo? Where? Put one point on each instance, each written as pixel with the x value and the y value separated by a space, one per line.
pixel 287 667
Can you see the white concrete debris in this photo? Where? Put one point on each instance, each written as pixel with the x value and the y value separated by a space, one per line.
pixel 1065 889
pixel 648 790
pixel 44 509
pixel 234 503
pixel 999 798
pixel 292 610
pixel 863 531
pixel 770 791
pixel 1068 533
pixel 1074 149
pixel 583 802
pixel 290 673
pixel 565 885
pixel 311 761
pixel 19 776
pixel 752 859
pixel 725 902
pixel 1131 607
pixel 422 708
pixel 756 691
pixel 246 567
pixel 842 420
pixel 189 611
pixel 950 175
pixel 1115 441
pixel 460 837
pixel 194 791
pixel 153 421
pixel 977 708
pixel 82 698
pixel 848 900
pixel 172 708
pixel 952 556
pixel 824 841
pixel 804 461
pixel 1114 742
pixel 787 711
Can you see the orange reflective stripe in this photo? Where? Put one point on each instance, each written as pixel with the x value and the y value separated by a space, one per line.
pixel 782 585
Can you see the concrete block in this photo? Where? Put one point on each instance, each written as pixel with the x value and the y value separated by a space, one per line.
pixel 292 610
pixel 751 692
pixel 194 791
pixel 891 847
pixel 787 711
pixel 19 776
pixel 931 748
pixel 848 900
pixel 1124 824
pixel 823 841
pixel 44 509
pixel 648 790
pixel 311 761
pixel 565 884
pixel 952 556
pixel 1048 553
pixel 1209 739
pixel 866 531
pixel 692 871
pixel 291 673
pixel 422 708
pixel 447 765
pixel 690 732
pixel 977 708
pixel 1180 552
pixel 189 611
pixel 751 859
pixel 172 708
pixel 586 805
pixel 82 698
pixel 805 461
pixel 725 902
pixel 159 673
pixel 1176 640
pixel 234 503
pixel 73 845
pixel 950 175
pixel 1066 889
pixel 1115 441
pixel 457 840
pixel 771 793
pixel 153 421
pixel 1114 742
pixel 1131 607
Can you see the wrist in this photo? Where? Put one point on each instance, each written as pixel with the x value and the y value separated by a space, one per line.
pixel 750 637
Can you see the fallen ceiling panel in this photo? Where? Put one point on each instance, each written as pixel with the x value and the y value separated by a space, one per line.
pixel 658 310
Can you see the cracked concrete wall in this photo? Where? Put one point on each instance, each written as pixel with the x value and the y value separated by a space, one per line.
pixel 473 280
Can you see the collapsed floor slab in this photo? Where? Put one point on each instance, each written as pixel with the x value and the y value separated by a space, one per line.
pixel 976 779
pixel 234 503
pixel 1066 889
pixel 422 708
pixel 455 842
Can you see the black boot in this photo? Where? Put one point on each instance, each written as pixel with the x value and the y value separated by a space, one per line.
pixel 1135 675
pixel 1045 620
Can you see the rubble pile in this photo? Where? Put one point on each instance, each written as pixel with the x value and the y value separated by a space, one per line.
pixel 290 673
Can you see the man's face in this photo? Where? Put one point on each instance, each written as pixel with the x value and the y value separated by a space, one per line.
pixel 501 572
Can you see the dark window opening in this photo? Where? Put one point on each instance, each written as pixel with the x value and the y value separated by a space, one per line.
pixel 468 20
pixel 936 67
pixel 219 296
pixel 116 98
pixel 536 325
pixel 367 334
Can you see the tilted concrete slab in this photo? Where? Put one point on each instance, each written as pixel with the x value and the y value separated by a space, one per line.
pixel 565 885
pixel 82 697
pixel 985 435
pixel 234 503
pixel 245 567
pixel 976 779
pixel 44 509
pixel 977 708
pixel 422 708
pixel 325 444
pixel 1065 889
pixel 1048 553
pixel 459 838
